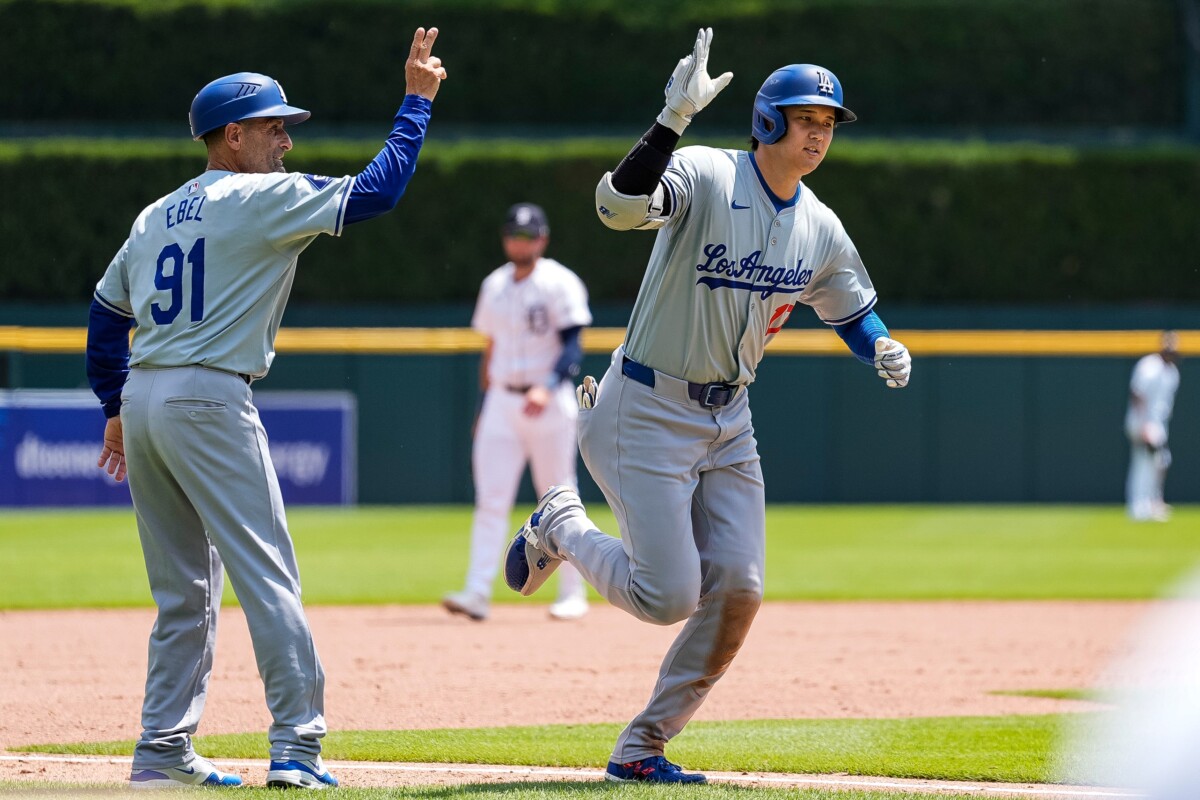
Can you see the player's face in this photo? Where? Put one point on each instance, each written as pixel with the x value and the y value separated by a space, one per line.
pixel 264 141
pixel 524 250
pixel 809 134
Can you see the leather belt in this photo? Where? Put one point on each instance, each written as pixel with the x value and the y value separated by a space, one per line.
pixel 518 389
pixel 708 395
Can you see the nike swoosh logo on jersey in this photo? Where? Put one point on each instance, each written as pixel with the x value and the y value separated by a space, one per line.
pixel 734 204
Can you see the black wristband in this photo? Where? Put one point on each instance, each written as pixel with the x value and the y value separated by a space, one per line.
pixel 639 172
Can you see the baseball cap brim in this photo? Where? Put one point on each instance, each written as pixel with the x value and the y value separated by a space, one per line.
pixel 289 114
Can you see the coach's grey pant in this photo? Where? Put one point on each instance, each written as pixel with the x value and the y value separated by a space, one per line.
pixel 685 486
pixel 205 494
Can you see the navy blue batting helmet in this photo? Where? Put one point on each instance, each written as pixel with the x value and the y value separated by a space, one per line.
pixel 795 85
pixel 242 95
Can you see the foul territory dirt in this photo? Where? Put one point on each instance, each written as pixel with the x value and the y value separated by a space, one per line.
pixel 78 675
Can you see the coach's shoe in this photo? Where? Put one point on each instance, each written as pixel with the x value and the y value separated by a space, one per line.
pixel 571 607
pixel 650 770
pixel 308 773
pixel 197 772
pixel 526 564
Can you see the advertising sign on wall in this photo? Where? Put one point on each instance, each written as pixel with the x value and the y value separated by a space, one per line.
pixel 50 441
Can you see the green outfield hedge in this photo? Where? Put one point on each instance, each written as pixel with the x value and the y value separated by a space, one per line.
pixel 603 63
pixel 935 222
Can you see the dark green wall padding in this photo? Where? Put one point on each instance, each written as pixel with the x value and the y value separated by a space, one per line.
pixel 966 430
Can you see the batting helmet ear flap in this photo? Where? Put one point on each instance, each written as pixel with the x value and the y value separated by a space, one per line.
pixel 769 124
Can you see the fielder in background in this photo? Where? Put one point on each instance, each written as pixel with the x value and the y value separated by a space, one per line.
pixel 1151 400
pixel 532 311
pixel 667 435
pixel 205 275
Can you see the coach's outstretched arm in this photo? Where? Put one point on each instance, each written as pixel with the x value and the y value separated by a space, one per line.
pixel 380 185
pixel 632 196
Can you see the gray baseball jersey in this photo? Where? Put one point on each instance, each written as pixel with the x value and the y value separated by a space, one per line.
pixel 208 268
pixel 728 269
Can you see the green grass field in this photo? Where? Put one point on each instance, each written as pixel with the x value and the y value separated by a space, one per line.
pixel 57 559
pixel 414 554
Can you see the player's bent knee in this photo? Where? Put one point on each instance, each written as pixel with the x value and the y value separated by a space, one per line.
pixel 666 605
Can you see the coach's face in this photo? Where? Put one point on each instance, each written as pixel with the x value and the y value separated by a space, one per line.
pixel 809 134
pixel 262 143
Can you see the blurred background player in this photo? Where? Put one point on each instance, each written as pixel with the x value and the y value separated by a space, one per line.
pixel 1151 400
pixel 205 275
pixel 668 436
pixel 532 311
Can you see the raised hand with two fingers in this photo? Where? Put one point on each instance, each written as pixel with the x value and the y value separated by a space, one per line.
pixel 423 71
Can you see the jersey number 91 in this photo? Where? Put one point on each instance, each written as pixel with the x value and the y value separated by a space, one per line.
pixel 169 277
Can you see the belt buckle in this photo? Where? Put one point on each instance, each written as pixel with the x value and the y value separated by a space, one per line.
pixel 715 395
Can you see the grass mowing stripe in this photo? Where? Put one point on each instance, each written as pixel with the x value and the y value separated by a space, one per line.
pixel 1011 748
pixel 414 554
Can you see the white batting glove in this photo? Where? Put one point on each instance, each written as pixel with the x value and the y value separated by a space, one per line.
pixel 893 362
pixel 690 89
pixel 585 393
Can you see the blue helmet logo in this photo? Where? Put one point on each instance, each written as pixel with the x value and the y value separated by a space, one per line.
pixel 243 95
pixel 795 85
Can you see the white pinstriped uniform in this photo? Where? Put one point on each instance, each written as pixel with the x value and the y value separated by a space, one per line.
pixel 1154 382
pixel 522 319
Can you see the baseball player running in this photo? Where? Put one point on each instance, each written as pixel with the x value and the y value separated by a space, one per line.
pixel 667 435
pixel 532 311
pixel 1151 401
pixel 204 275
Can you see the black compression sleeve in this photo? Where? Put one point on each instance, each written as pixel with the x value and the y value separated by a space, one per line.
pixel 639 172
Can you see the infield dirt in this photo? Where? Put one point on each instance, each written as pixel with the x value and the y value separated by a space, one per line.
pixel 78 675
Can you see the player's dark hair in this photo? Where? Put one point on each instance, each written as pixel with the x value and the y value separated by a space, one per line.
pixel 753 143
pixel 211 138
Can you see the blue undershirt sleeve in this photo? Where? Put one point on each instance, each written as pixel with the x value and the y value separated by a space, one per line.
pixel 107 356
pixel 379 186
pixel 571 358
pixel 860 336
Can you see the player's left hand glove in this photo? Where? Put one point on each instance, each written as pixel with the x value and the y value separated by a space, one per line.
pixel 690 89
pixel 892 362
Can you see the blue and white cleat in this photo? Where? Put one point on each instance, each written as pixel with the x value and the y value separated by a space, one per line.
pixel 650 770
pixel 197 772
pixel 300 774
pixel 526 565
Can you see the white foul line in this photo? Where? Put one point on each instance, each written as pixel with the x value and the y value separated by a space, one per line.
pixel 475 769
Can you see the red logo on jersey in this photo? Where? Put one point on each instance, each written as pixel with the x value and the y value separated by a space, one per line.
pixel 780 316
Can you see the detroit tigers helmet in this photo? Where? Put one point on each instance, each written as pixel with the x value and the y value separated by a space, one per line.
pixel 795 85
pixel 242 95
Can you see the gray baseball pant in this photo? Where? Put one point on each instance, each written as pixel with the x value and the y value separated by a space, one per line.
pixel 685 485
pixel 205 495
